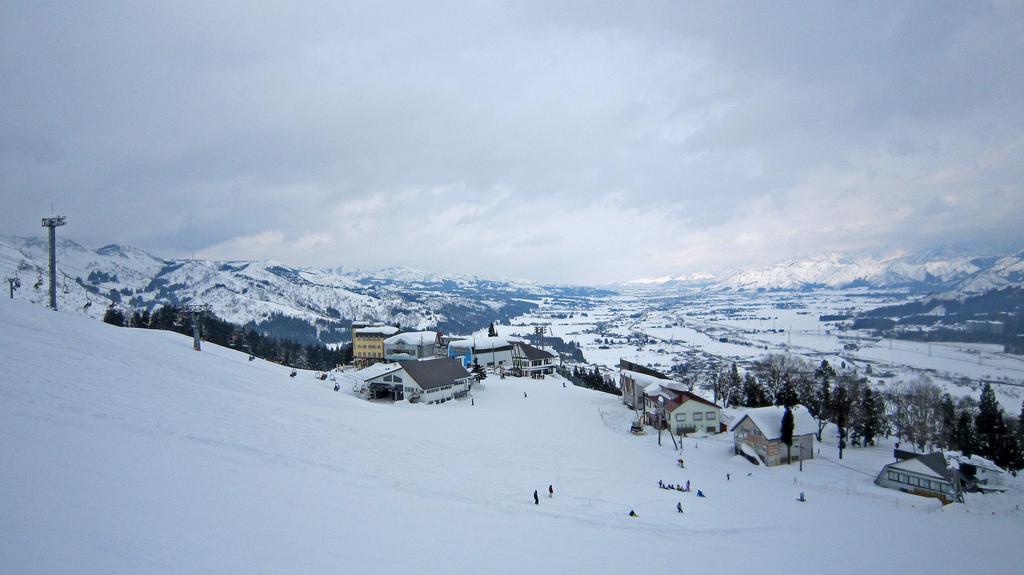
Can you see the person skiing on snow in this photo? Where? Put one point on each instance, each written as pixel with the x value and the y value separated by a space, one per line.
pixel 801 498
pixel 700 493
pixel 551 491
pixel 687 485
pixel 633 513
pixel 679 506
pixel 524 394
pixel 536 500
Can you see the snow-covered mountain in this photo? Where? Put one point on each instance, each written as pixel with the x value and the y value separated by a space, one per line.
pixel 265 292
pixel 921 272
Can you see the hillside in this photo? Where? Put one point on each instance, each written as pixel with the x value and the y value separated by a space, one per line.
pixel 306 304
pixel 126 452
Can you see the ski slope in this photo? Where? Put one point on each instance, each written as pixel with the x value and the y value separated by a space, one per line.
pixel 124 451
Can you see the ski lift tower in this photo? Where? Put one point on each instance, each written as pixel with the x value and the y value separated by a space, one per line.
pixel 52 224
pixel 196 310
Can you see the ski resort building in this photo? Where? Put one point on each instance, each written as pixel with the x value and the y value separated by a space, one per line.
pixel 411 345
pixel 759 432
pixel 633 378
pixel 530 360
pixel 368 343
pixel 434 380
pixel 921 474
pixel 669 405
pixel 488 351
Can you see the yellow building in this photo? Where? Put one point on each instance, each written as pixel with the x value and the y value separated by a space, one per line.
pixel 368 343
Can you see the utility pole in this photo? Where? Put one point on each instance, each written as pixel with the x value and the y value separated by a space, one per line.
pixel 196 310
pixel 13 283
pixel 52 224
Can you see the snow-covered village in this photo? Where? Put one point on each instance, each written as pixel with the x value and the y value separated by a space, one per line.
pixel 521 287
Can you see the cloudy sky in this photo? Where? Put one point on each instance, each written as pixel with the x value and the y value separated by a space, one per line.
pixel 578 142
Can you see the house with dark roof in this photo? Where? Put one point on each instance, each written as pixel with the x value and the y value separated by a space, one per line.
pixel 757 435
pixel 926 474
pixel 531 360
pixel 669 405
pixel 431 381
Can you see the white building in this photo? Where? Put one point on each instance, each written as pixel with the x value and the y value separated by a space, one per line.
pixel 411 345
pixel 760 430
pixel 434 380
pixel 488 351
pixel 530 360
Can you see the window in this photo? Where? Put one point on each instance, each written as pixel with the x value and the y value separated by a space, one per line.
pixel 710 416
pixel 680 417
pixel 698 416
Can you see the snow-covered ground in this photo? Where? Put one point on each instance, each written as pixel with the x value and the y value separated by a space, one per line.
pixel 124 451
pixel 742 327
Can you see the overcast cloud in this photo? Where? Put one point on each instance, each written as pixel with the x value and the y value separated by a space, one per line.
pixel 573 142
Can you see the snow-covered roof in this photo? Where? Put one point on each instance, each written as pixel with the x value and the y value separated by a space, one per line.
pixel 769 420
pixel 412 338
pixel 376 370
pixel 483 343
pixel 381 329
pixel 956 458
pixel 642 378
pixel 920 466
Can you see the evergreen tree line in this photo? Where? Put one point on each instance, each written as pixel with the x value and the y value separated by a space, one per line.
pixel 916 411
pixel 591 379
pixel 226 334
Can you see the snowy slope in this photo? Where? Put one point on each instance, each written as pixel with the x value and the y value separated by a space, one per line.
pixel 126 452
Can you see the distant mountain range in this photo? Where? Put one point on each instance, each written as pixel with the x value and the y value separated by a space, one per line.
pixel 304 304
pixel 939 271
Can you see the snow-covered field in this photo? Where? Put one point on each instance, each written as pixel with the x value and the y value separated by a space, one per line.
pixel 742 327
pixel 124 451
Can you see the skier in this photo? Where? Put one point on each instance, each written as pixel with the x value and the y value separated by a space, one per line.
pixel 679 506
pixel 633 513
pixel 727 477
pixel 563 384
pixel 536 500
pixel 801 498
pixel 700 493
pixel 524 394
pixel 661 484
pixel 551 491
pixel 337 386
pixel 687 485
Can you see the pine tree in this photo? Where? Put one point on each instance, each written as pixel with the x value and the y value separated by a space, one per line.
pixel 989 423
pixel 787 433
pixel 786 395
pixel 753 393
pixel 824 374
pixel 492 331
pixel 966 438
pixel 840 410
pixel 948 430
pixel 867 420
pixel 1019 463
pixel 114 316
pixel 478 372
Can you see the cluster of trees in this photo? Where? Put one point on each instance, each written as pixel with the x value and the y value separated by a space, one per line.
pixel 916 411
pixel 591 379
pixel 220 332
